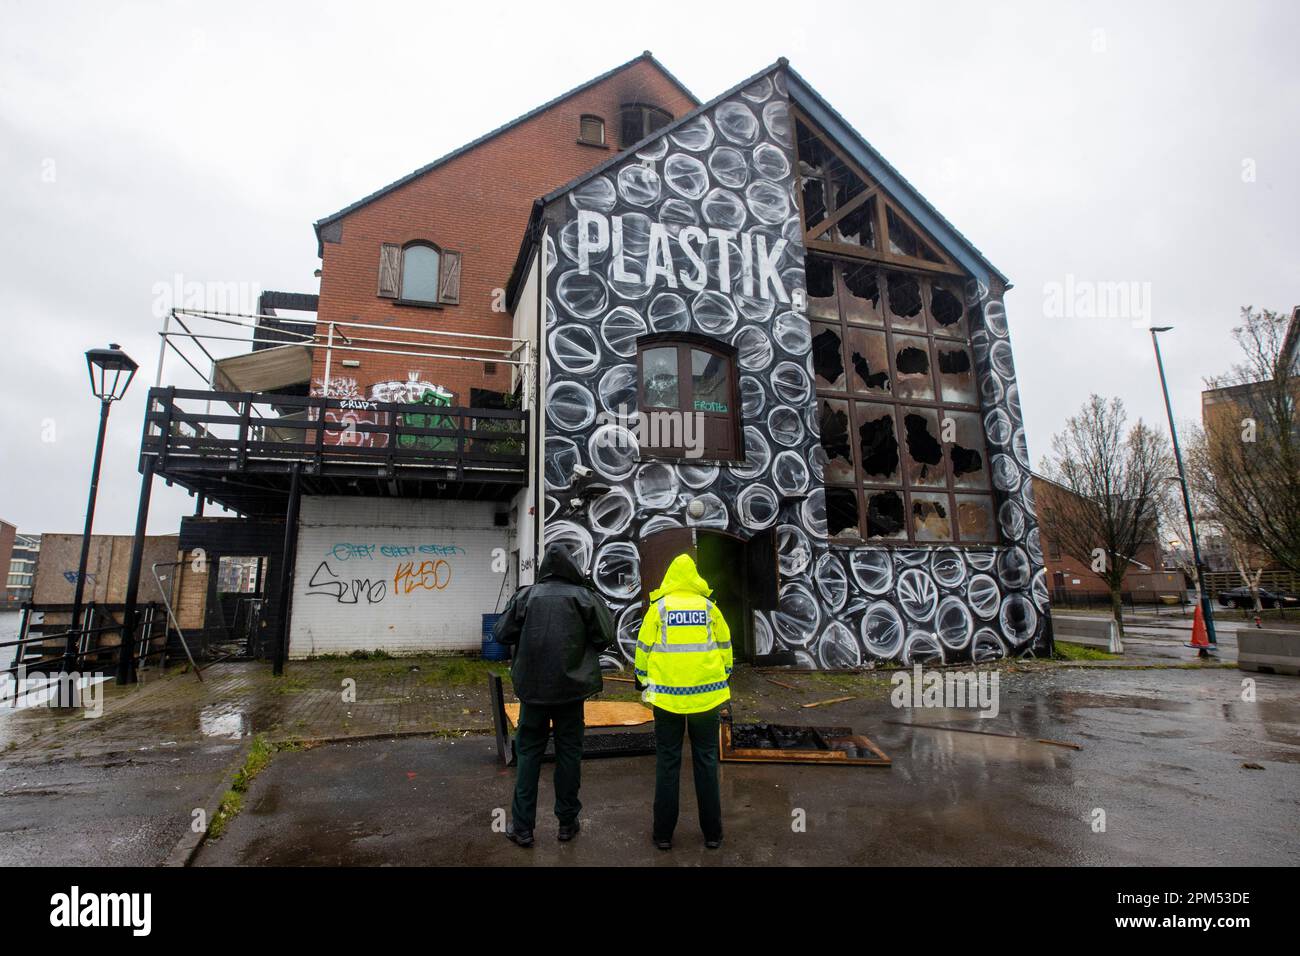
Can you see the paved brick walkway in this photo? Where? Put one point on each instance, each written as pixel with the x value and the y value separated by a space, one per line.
pixel 314 700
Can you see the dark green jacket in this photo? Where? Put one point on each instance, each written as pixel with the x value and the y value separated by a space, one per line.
pixel 559 626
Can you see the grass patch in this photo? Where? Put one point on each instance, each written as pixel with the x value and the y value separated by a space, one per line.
pixel 1066 651
pixel 259 755
pixel 231 804
pixel 458 671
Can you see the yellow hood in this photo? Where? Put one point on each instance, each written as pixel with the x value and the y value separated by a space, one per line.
pixel 682 576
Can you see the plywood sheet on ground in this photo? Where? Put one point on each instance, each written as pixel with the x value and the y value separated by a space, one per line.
pixel 601 713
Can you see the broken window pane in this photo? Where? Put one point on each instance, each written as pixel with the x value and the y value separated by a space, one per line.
pixel 845 183
pixel 842 513
pixel 904 241
pixel 868 361
pixel 858 227
pixel 885 515
pixel 812 151
pixel 877 442
pixel 975 518
pixel 814 202
pixel 956 373
pixel 860 293
pixel 947 313
pixel 931 520
pixel 828 356
pixel 966 451
pixel 820 273
pixel 912 368
pixel 659 375
pixel 905 310
pixel 924 463
pixel 833 421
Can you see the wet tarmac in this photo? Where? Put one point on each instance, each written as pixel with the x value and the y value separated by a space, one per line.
pixel 1159 780
pixel 108 809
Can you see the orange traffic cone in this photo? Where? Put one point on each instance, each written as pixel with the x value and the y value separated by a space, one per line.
pixel 1200 637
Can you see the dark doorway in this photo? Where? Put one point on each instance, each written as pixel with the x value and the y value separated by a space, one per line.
pixel 720 559
pixel 742 574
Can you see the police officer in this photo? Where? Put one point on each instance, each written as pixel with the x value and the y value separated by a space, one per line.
pixel 683 661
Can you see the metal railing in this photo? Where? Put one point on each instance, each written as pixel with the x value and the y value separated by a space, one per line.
pixel 41 646
pixel 238 428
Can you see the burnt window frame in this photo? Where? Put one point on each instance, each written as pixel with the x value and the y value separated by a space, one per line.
pixel 685 343
pixel 645 112
pixel 855 398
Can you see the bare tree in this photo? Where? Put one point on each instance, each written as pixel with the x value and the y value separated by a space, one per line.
pixel 1106 484
pixel 1247 462
pixel 1246 558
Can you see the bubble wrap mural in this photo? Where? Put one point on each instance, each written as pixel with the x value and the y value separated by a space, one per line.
pixel 699 231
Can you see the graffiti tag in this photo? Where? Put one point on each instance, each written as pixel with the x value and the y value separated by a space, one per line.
pixel 325 582
pixel 430 575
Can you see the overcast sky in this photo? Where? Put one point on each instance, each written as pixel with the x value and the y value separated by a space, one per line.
pixel 1076 145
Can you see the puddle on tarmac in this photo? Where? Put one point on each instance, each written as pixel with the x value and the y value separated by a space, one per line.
pixel 224 722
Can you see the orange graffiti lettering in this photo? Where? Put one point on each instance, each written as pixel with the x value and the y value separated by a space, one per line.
pixel 430 575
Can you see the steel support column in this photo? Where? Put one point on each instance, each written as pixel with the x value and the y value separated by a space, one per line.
pixel 288 554
pixel 131 615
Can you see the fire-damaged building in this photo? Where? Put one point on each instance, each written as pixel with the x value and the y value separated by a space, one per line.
pixel 638 326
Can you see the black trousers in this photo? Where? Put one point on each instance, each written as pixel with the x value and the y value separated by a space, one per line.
pixel 669 731
pixel 535 723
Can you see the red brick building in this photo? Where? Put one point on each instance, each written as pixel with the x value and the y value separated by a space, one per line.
pixel 1071 579
pixel 470 207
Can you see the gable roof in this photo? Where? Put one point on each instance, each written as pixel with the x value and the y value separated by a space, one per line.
pixel 647 56
pixel 962 250
pixel 899 189
pixel 532 231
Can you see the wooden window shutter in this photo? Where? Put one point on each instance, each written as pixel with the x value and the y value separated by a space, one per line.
pixel 390 270
pixel 449 278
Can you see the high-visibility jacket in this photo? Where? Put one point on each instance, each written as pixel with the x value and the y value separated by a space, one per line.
pixel 683 653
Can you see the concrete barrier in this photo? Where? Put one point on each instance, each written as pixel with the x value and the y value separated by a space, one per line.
pixel 1268 652
pixel 1099 632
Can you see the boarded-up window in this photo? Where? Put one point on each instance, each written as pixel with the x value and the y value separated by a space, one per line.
pixel 449 278
pixel 390 270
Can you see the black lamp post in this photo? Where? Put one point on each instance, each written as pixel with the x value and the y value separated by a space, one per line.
pixel 111 371
pixel 1207 610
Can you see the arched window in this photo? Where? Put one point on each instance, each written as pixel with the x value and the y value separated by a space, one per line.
pixel 419 273
pixel 688 397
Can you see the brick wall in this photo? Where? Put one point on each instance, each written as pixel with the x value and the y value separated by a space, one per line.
pixel 476 204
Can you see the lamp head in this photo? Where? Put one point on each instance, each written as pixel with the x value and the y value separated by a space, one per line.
pixel 111 371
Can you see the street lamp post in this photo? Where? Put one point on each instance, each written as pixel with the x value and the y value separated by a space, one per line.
pixel 111 371
pixel 1207 609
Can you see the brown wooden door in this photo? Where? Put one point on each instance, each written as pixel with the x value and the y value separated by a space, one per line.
pixel 657 552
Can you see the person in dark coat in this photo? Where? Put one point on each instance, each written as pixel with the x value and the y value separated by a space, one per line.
pixel 558 627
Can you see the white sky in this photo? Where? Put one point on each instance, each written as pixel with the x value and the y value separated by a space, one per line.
pixel 1101 141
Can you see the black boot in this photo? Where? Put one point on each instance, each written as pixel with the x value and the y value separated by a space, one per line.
pixel 568 831
pixel 523 838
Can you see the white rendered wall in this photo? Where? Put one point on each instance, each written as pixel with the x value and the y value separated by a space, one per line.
pixel 402 575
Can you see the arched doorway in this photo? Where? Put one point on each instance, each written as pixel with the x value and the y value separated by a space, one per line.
pixel 742 573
